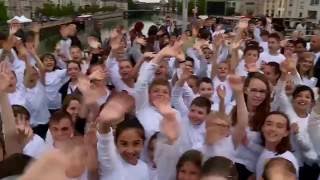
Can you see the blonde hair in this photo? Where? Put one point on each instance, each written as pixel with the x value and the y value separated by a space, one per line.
pixel 219 115
pixel 302 57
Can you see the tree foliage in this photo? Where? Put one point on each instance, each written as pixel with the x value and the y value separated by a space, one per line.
pixel 3 12
pixel 131 5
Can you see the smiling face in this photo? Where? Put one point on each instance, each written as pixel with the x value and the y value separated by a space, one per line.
pixel 251 56
pixel 49 63
pixel 158 92
pixel 76 54
pixel 223 70
pixel 305 64
pixel 206 90
pixel 130 145
pixel 274 129
pixel 197 114
pixel 256 92
pixel 188 171
pixel 62 130
pixel 125 69
pixel 303 101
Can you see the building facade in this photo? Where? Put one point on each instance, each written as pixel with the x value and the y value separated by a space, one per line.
pixel 254 7
pixel 121 4
pixel 275 8
pixel 23 7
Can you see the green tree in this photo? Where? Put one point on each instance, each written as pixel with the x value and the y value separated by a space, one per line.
pixel 3 12
pixel 131 5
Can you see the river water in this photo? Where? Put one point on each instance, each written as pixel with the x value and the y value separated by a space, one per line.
pixel 49 37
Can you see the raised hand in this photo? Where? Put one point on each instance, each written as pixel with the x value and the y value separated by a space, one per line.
pixel 23 129
pixel 164 107
pixel 141 41
pixel 149 55
pixel 50 166
pixel 113 112
pixel 98 75
pixel 235 45
pixel 116 37
pixel 4 76
pixel 219 39
pixel 93 42
pixel 14 28
pixel 171 129
pixel 236 83
pixel 288 66
pixel 221 91
pixel 251 67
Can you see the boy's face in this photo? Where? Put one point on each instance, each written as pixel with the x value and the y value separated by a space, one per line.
pixel 273 44
pixel 197 114
pixel 61 131
pixel 159 92
pixel 223 70
pixel 206 90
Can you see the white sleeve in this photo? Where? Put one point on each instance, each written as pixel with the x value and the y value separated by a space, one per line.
pixel 177 100
pixel 193 54
pixel 166 158
pixel 145 78
pixel 109 161
pixel 314 127
pixel 281 100
pixel 187 95
pixel 113 67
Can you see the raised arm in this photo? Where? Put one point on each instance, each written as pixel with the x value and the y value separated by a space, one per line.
pixel 235 59
pixel 36 29
pixel 112 114
pixel 177 92
pixel 239 131
pixel 8 121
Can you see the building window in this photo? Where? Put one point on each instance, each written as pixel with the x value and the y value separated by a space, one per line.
pixel 312 14
pixel 315 2
pixel 289 13
pixel 300 14
pixel 290 5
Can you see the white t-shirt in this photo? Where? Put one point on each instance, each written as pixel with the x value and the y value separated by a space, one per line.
pixel 35 147
pixel 266 57
pixel 267 155
pixel 264 45
pixel 54 81
pixel 37 105
pixel 18 97
pixel 113 167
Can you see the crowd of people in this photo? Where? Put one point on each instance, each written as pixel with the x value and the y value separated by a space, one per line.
pixel 202 104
